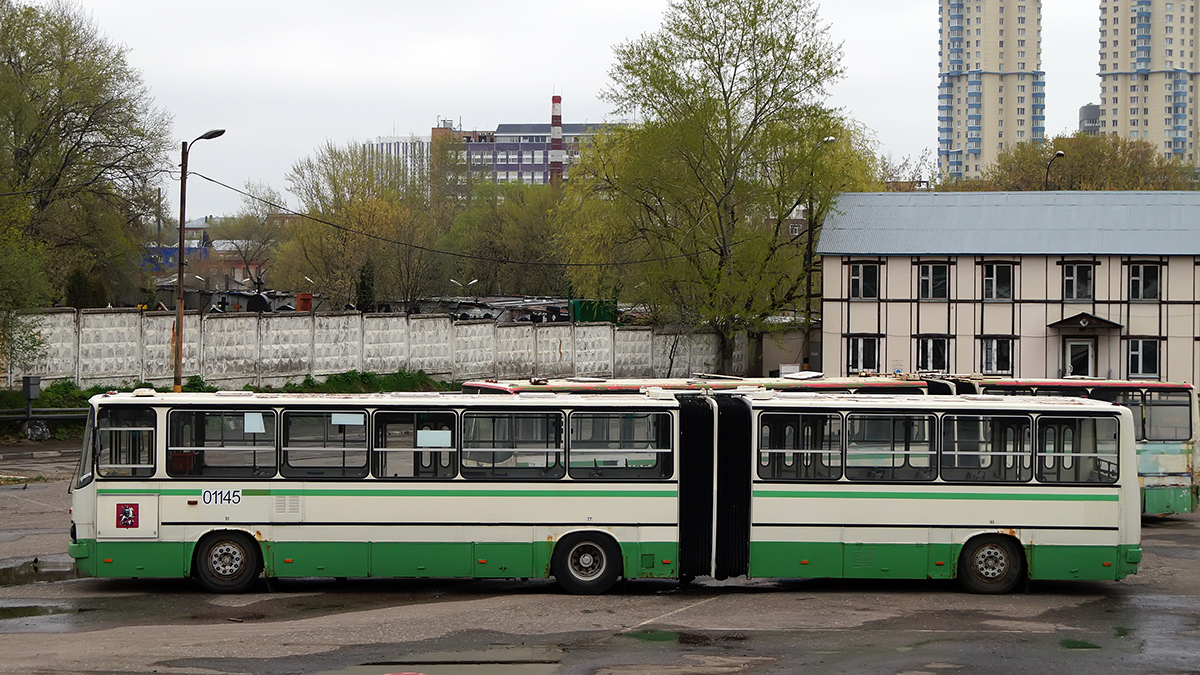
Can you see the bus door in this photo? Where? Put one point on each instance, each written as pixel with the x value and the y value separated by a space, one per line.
pixel 127 513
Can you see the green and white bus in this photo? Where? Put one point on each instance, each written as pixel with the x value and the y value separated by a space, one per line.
pixel 1165 424
pixel 589 489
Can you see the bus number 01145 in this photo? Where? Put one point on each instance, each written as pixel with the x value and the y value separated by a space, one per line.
pixel 222 496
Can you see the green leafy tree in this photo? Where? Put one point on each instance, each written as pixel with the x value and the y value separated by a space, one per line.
pixel 510 233
pixel 23 288
pixel 710 187
pixel 81 143
pixel 366 207
pixel 253 235
pixel 1102 162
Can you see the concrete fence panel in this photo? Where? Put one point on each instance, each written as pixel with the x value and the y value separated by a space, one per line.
pixel 385 342
pixel 430 344
pixel 284 347
pixel 633 351
pixel 593 349
pixel 110 347
pixel 337 343
pixel 474 349
pixel 515 350
pixel 158 347
pixel 59 330
pixel 231 352
pixel 704 354
pixel 555 345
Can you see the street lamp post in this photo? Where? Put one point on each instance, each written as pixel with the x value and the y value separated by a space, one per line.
pixel 1046 185
pixel 179 261
pixel 808 251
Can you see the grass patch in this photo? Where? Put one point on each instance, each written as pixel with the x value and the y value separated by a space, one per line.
pixel 361 382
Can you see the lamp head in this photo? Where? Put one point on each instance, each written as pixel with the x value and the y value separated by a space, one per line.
pixel 1060 153
pixel 210 134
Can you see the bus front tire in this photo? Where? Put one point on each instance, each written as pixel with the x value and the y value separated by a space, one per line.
pixel 586 564
pixel 228 562
pixel 990 564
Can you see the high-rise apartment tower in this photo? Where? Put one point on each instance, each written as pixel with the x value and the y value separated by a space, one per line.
pixel 992 91
pixel 1147 72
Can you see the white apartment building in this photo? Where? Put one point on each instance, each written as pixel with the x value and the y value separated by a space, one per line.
pixel 1021 284
pixel 991 93
pixel 1148 74
pixel 412 151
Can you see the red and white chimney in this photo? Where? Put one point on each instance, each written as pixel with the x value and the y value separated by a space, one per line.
pixel 556 141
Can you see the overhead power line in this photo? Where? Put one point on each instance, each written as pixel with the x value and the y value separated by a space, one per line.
pixel 453 254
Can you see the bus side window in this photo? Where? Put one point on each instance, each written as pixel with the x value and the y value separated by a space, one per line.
pixel 890 447
pixel 1168 415
pixel 989 449
pixel 800 447
pixel 1077 450
pixel 324 444
pixel 221 443
pixel 620 444
pixel 124 441
pixel 419 445
pixel 512 445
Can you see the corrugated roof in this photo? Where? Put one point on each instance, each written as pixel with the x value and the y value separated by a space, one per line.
pixel 1013 223
pixel 568 129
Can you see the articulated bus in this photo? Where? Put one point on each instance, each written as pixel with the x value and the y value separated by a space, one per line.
pixel 588 489
pixel 1165 424
pixel 1165 413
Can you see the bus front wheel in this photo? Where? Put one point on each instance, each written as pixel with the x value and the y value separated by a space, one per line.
pixel 990 564
pixel 586 564
pixel 227 562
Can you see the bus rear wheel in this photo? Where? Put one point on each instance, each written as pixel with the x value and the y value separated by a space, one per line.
pixel 586 564
pixel 227 562
pixel 990 564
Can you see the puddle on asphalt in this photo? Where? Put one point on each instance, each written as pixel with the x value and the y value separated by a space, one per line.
pixel 498 660
pixel 683 637
pixel 26 611
pixel 34 571
pixel 1077 644
pixel 654 635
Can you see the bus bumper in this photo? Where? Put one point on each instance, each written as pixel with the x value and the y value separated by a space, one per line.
pixel 1167 500
pixel 1128 558
pixel 79 550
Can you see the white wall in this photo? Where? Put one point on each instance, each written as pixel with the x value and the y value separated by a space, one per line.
pixel 115 346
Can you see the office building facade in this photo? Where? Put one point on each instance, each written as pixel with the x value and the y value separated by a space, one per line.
pixel 991 91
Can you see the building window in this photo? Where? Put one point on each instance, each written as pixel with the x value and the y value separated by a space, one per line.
pixel 997 356
pixel 933 353
pixel 1143 358
pixel 997 281
pixel 864 281
pixel 1077 281
pixel 1143 282
pixel 934 282
pixel 862 355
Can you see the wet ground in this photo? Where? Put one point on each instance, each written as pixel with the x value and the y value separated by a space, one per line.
pixel 51 622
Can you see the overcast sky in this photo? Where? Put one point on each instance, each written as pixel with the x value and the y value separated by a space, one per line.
pixel 284 76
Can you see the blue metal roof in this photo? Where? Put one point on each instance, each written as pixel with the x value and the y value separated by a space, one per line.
pixel 1013 223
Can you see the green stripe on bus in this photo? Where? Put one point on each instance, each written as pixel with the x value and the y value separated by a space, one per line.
pixel 149 491
pixel 1027 496
pixel 442 492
